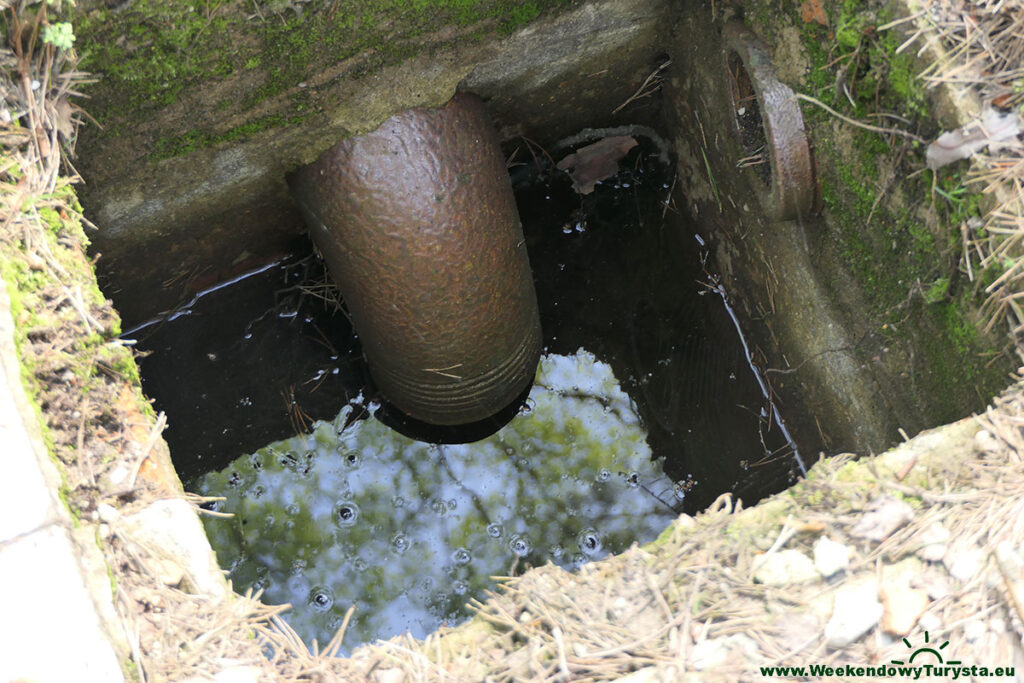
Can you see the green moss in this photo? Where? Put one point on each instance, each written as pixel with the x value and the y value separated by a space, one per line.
pixel 193 140
pixel 152 53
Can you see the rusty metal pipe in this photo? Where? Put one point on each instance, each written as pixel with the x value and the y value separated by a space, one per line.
pixel 419 228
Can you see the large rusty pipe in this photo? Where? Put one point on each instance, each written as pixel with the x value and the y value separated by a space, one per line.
pixel 419 228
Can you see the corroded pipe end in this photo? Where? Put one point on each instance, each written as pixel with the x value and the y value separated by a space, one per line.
pixel 419 228
pixel 770 125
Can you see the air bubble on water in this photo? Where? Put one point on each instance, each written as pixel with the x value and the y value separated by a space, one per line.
pixel 509 450
pixel 256 461
pixel 590 542
pixel 298 565
pixel 438 506
pixel 519 545
pixel 321 599
pixel 352 459
pixel 461 557
pixel 633 480
pixel 346 513
pixel 494 530
pixel 399 543
pixel 603 475
pixel 556 551
pixel 359 564
pixel 292 509
pixel 398 501
pixel 257 491
pixel 522 462
pixel 452 503
pixel 459 587
pixel 578 560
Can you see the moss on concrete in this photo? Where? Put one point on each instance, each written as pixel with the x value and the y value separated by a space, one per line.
pixel 154 53
pixel 896 235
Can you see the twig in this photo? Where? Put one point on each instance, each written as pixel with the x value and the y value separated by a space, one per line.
pixel 858 124
pixel 654 77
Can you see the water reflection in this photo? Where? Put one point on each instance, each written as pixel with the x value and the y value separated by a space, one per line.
pixel 408 531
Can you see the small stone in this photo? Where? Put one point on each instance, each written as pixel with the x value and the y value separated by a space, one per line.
pixel 118 478
pixel 884 515
pixel 238 674
pixel 963 564
pixel 107 513
pixel 167 571
pixel 933 542
pixel 685 521
pixel 712 653
pixel 934 583
pixel 393 675
pixel 985 442
pixel 975 631
pixel 648 674
pixel 856 612
pixel 784 568
pixel 830 557
pixel 903 606
pixel 171 530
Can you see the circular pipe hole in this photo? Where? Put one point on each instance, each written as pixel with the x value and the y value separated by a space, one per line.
pixel 747 117
pixel 770 126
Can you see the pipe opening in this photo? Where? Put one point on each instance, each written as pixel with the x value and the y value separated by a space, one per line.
pixel 749 125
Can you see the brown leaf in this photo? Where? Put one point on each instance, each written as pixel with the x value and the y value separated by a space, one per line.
pixel 62 118
pixel 591 164
pixel 812 10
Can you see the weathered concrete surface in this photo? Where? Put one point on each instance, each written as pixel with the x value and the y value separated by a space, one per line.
pixel 842 322
pixel 50 602
pixel 170 227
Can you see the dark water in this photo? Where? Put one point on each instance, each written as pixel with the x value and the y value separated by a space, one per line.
pixel 336 509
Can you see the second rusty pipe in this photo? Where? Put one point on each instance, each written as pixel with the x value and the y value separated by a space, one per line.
pixel 419 228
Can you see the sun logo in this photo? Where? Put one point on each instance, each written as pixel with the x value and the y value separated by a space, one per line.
pixel 925 650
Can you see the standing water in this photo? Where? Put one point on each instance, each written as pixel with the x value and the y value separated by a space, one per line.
pixel 645 404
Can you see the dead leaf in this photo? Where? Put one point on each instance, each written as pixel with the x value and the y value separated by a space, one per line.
pixel 591 164
pixel 993 130
pixel 812 10
pixel 62 112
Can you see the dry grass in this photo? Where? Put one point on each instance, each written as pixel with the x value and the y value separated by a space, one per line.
pixel 983 48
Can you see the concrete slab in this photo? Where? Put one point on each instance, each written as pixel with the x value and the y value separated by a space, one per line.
pixel 49 630
pixel 27 490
